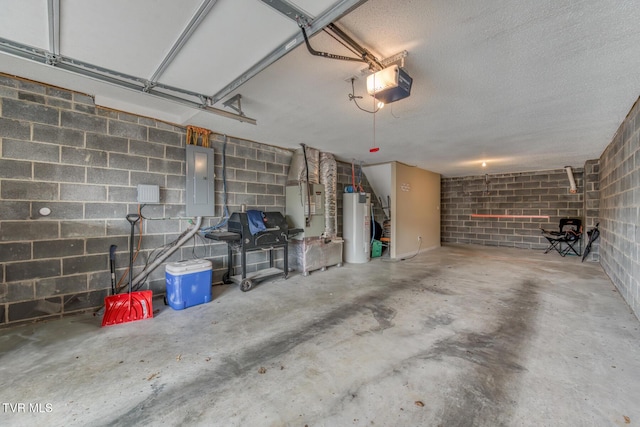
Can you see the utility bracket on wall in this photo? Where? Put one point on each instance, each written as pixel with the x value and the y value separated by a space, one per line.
pixel 51 59
pixel 398 58
pixel 236 99
pixel 148 86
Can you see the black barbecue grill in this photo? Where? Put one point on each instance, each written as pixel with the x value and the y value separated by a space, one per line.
pixel 274 234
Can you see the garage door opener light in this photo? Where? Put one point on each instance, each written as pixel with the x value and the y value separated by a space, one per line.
pixel 390 84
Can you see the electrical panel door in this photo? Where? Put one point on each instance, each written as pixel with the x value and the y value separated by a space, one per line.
pixel 200 181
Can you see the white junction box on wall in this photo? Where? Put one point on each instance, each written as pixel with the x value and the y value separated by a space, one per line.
pixel 149 194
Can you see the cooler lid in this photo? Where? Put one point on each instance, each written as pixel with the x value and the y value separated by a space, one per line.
pixel 188 266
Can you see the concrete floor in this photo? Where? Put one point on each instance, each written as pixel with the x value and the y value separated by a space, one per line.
pixel 458 336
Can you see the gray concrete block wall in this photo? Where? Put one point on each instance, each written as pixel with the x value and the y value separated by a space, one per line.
pixel 544 193
pixel 619 250
pixel 59 151
pixel 592 204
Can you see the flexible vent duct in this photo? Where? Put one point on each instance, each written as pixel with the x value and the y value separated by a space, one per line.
pixel 329 178
pixel 572 182
pixel 297 170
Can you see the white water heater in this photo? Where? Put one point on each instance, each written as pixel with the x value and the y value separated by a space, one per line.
pixel 356 227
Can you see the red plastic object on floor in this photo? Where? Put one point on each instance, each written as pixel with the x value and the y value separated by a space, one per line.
pixel 131 306
pixel 127 307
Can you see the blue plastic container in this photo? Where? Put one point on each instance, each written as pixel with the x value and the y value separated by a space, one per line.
pixel 188 283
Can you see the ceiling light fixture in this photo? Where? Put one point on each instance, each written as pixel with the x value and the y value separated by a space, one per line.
pixel 393 81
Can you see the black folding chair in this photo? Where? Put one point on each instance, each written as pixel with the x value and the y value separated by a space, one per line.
pixel 567 240
pixel 593 234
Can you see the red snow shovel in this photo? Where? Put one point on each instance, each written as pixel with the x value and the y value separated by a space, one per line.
pixel 131 306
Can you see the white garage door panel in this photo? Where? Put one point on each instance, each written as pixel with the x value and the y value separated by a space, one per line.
pixel 128 36
pixel 25 21
pixel 232 38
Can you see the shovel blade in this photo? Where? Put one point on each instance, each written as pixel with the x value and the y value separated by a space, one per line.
pixel 124 308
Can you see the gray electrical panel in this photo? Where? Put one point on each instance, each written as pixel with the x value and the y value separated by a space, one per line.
pixel 200 181
pixel 302 214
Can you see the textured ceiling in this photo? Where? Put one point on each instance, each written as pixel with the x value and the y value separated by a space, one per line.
pixel 522 85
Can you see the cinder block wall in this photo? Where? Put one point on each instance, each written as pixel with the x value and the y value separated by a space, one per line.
pixel 529 193
pixel 59 151
pixel 256 177
pixel 620 209
pixel 592 204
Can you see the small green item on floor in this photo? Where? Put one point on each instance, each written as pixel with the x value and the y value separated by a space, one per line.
pixel 376 248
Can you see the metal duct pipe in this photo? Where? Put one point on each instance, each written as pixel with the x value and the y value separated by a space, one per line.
pixel 572 182
pixel 297 169
pixel 329 178
pixel 147 270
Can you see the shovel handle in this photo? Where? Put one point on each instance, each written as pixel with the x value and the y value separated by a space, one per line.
pixel 112 267
pixel 133 218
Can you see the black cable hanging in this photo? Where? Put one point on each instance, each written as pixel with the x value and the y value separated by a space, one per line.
pixel 307 217
pixel 353 97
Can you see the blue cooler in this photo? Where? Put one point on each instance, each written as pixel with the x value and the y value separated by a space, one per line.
pixel 188 283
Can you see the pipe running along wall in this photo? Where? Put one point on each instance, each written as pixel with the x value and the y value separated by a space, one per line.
pixel 140 277
pixel 572 182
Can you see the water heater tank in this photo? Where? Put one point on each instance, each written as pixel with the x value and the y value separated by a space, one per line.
pixel 356 227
